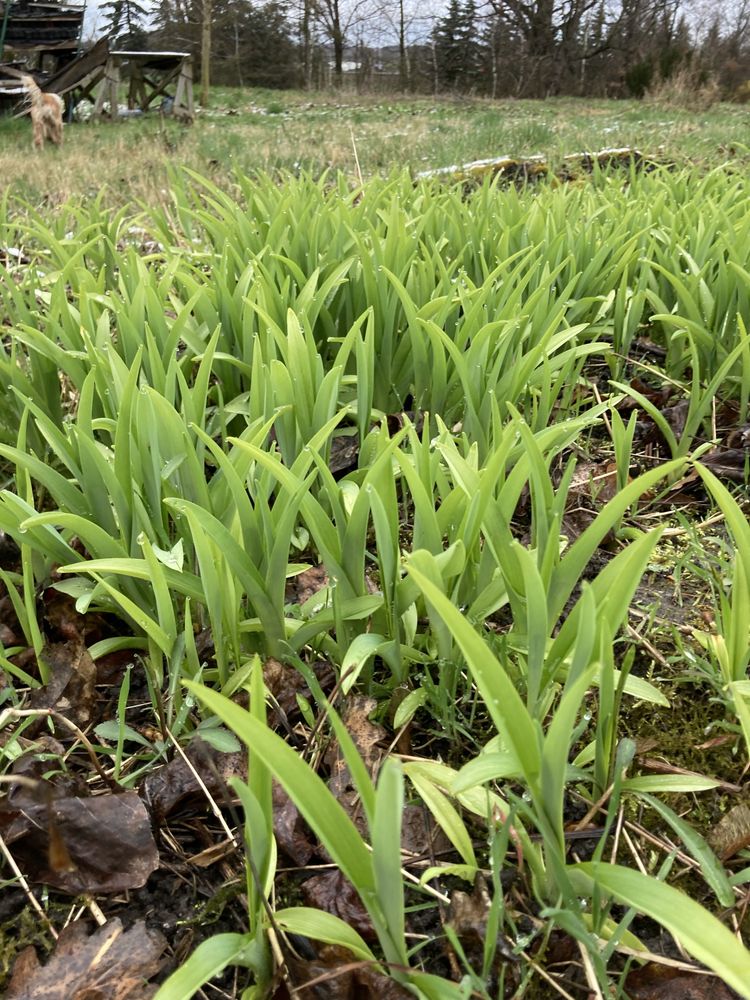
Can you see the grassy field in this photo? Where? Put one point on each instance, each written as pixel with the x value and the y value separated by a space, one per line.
pixel 252 130
pixel 374 555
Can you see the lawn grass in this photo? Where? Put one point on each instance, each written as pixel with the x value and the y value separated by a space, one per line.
pixel 266 130
pixel 414 514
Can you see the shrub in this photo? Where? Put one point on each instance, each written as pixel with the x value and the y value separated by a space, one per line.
pixel 690 88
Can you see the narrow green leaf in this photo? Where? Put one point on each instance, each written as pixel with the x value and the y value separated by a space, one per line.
pixel 207 961
pixel 322 926
pixel 695 928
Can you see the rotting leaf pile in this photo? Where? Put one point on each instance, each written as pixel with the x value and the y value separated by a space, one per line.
pixel 322 525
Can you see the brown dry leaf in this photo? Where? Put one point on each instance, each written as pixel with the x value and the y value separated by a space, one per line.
pixel 676 416
pixel 335 894
pixel 10 554
pixel 344 454
pixel 304 585
pixel 111 964
pixel 739 436
pixel 716 741
pixel 595 480
pixel 732 833
pixel 367 736
pixel 373 985
pixel 164 790
pixel 61 616
pixel 110 668
pixel 420 836
pixel 80 844
pixel 592 485
pixel 659 397
pixel 468 912
pixel 336 975
pixel 284 683
pixel 290 830
pixel 728 463
pixel 71 690
pixel 661 982
pixel 648 346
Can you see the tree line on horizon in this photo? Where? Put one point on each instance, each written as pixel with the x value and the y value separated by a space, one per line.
pixel 497 48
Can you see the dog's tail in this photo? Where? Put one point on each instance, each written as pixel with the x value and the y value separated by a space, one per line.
pixel 35 94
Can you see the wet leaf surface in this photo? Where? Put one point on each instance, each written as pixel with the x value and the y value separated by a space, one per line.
pixel 331 892
pixel 172 786
pixel 110 964
pixel 344 454
pixel 79 843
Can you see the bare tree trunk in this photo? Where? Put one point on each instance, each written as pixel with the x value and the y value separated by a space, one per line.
pixel 337 37
pixel 307 66
pixel 205 51
pixel 237 60
pixel 403 69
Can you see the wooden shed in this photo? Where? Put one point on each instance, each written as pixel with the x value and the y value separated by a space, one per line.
pixel 47 34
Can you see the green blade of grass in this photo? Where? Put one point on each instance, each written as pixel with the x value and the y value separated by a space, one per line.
pixel 503 702
pixel 700 933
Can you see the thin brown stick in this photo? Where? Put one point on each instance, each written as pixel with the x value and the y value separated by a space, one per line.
pixel 25 886
pixel 204 788
pixel 588 969
pixel 546 976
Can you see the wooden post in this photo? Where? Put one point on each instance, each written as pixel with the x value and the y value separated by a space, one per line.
pixel 113 86
pixel 183 98
pixel 109 89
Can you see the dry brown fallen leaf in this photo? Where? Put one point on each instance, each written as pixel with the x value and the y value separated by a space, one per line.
pixel 292 834
pixel 110 964
pixel 285 683
pixel 468 915
pixel 727 463
pixel 304 585
pixel 661 982
pixel 336 975
pixel 71 689
pixel 592 485
pixel 732 832
pixel 368 738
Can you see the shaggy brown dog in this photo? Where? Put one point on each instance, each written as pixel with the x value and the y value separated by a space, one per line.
pixel 46 113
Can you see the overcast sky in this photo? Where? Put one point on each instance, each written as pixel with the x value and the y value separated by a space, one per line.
pixel 92 22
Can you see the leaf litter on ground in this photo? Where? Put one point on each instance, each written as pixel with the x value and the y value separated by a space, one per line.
pixel 108 964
